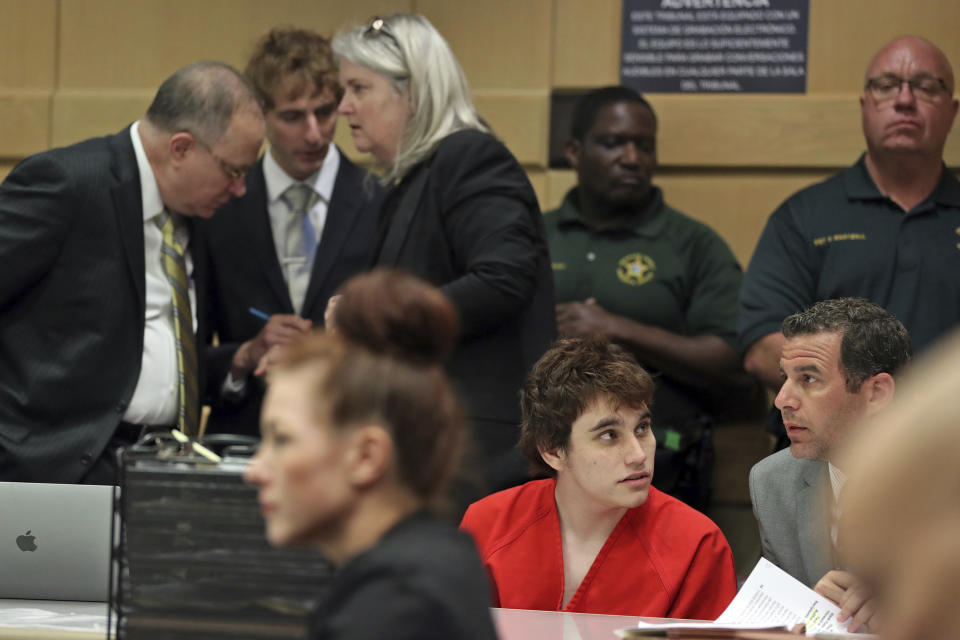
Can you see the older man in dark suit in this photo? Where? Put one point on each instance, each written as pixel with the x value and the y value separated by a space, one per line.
pixel 98 293
pixel 307 224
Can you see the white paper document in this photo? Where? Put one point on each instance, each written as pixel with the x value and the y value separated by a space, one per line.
pixel 772 596
pixel 770 599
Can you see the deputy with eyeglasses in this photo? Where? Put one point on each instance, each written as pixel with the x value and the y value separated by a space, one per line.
pixel 886 229
pixel 98 292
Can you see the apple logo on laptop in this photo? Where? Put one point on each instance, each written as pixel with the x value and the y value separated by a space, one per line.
pixel 27 542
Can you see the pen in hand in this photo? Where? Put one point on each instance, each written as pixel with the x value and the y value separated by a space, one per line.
pixel 259 314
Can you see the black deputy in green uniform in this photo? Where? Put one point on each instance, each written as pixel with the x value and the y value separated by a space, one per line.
pixel 629 267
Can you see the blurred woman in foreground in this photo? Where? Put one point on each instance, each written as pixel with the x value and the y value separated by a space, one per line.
pixel 461 214
pixel 361 433
pixel 900 508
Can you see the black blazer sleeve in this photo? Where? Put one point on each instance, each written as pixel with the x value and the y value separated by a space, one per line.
pixel 469 223
pixel 490 215
pixel 467 220
pixel 33 224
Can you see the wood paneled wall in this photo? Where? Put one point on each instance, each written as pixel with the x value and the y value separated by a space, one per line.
pixel 71 69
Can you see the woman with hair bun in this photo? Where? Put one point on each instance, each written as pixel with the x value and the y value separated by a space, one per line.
pixel 461 214
pixel 361 434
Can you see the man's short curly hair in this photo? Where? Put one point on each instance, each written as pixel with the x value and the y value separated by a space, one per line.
pixel 300 54
pixel 873 340
pixel 572 375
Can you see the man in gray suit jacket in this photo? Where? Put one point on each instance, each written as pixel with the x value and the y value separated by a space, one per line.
pixel 95 247
pixel 838 363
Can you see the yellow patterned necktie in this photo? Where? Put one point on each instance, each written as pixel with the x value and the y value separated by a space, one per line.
pixel 175 268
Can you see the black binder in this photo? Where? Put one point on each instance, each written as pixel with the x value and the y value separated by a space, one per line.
pixel 191 561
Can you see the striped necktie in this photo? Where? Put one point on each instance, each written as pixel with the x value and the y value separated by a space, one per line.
pixel 175 268
pixel 300 241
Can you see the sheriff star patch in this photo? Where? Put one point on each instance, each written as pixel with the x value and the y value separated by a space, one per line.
pixel 636 269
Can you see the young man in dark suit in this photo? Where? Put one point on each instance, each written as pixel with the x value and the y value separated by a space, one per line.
pixel 307 224
pixel 98 292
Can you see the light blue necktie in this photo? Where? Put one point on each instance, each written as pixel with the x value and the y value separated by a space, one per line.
pixel 300 241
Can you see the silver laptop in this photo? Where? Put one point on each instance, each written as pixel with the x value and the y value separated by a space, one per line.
pixel 55 541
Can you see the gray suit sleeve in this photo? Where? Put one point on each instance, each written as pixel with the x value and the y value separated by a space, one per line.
pixel 761 512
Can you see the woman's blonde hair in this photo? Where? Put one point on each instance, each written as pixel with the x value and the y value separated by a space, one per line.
pixel 412 54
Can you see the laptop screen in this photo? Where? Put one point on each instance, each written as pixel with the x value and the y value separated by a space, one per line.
pixel 55 541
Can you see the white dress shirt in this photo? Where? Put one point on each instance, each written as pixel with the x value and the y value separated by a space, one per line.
pixel 837 480
pixel 155 400
pixel 278 181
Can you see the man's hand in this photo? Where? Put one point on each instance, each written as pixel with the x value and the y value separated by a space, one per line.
pixel 852 596
pixel 267 360
pixel 762 360
pixel 280 329
pixel 584 319
pixel 329 317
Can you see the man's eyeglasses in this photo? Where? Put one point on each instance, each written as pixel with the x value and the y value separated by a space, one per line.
pixel 231 171
pixel 923 87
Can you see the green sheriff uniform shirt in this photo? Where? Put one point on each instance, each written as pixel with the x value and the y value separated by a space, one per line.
pixel 842 237
pixel 664 268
